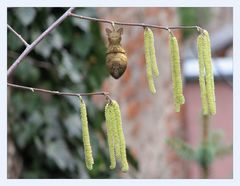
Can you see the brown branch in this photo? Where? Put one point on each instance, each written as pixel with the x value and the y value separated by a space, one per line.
pixel 18 35
pixel 30 47
pixel 33 89
pixel 134 24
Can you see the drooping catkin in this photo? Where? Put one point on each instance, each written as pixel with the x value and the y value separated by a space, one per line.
pixel 118 120
pixel 200 46
pixel 116 135
pixel 176 73
pixel 206 77
pixel 116 138
pixel 110 134
pixel 152 53
pixel 85 133
pixel 209 74
pixel 151 64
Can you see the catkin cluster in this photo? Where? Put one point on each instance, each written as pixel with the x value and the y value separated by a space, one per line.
pixel 176 73
pixel 85 133
pixel 116 141
pixel 206 78
pixel 151 63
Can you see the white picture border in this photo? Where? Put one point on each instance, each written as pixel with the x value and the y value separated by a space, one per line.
pixel 120 3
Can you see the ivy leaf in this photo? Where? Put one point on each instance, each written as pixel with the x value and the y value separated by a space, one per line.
pixel 44 48
pixel 82 44
pixel 13 42
pixel 69 68
pixel 27 73
pixel 26 15
pixel 57 40
pixel 82 24
pixel 73 125
pixel 60 154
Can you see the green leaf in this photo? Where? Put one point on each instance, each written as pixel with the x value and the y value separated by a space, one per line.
pixel 25 15
pixel 73 125
pixel 27 73
pixel 57 41
pixel 60 154
pixel 205 155
pixel 82 24
pixel 13 42
pixel 69 68
pixel 82 44
pixel 181 148
pixel 26 133
pixel 44 48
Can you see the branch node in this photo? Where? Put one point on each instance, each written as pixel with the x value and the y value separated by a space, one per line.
pixel 108 97
pixel 200 30
pixel 170 31
pixel 113 25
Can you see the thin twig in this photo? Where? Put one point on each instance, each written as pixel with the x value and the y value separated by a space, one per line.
pixel 133 24
pixel 34 43
pixel 33 89
pixel 18 35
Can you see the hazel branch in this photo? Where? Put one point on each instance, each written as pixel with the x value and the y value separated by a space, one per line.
pixel 133 24
pixel 33 89
pixel 30 47
pixel 18 35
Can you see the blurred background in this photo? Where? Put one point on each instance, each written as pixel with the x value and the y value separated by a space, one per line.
pixel 44 131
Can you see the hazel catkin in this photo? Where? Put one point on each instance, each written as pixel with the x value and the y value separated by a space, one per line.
pixel 209 74
pixel 206 77
pixel 115 135
pixel 110 134
pixel 152 53
pixel 150 57
pixel 121 136
pixel 202 83
pixel 85 133
pixel 176 73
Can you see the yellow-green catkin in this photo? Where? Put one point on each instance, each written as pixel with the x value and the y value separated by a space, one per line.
pixel 176 73
pixel 118 120
pixel 85 133
pixel 116 138
pixel 151 64
pixel 202 83
pixel 209 74
pixel 110 134
pixel 152 53
pixel 206 77
pixel 116 135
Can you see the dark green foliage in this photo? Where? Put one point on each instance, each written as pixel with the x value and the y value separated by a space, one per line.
pixel 47 129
